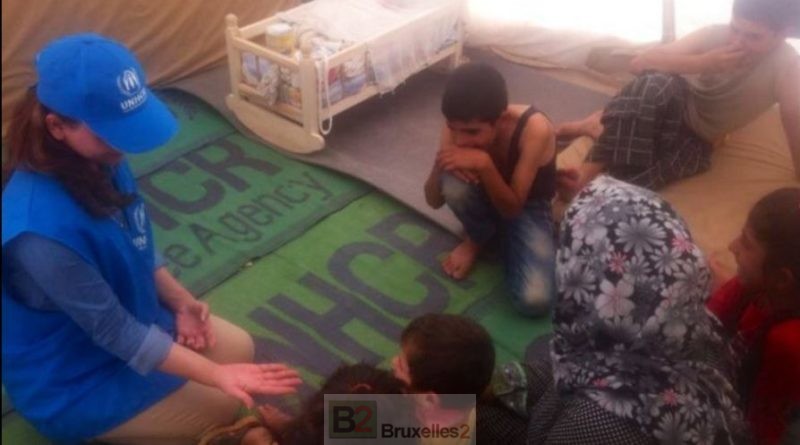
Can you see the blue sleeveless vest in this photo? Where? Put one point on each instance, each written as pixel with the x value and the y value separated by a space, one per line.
pixel 57 378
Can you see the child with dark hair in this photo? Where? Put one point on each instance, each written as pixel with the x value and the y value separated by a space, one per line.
pixel 495 169
pixel 761 307
pixel 445 354
pixel 438 348
pixel 689 94
pixel 307 428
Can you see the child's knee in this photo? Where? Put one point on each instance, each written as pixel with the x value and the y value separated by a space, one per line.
pixel 533 294
pixel 456 192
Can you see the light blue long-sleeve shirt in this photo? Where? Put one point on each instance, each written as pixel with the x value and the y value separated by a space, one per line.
pixel 45 275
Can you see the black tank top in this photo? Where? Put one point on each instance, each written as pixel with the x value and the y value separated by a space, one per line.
pixel 544 186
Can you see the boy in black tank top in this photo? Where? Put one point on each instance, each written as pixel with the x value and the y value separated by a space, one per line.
pixel 495 169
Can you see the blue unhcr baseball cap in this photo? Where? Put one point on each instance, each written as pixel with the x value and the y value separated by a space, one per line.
pixel 99 82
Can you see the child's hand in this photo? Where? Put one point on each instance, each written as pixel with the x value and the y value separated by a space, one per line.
pixel 452 159
pixel 720 273
pixel 274 418
pixel 568 183
pixel 468 176
pixel 246 379
pixel 725 58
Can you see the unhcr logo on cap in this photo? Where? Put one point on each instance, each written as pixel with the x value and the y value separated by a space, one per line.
pixel 129 84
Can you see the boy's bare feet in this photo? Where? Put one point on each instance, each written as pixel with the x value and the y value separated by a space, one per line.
pixel 459 262
pixel 588 126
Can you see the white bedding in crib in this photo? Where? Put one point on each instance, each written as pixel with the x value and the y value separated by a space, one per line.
pixel 401 35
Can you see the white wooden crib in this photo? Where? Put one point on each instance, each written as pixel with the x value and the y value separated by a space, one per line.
pixel 297 122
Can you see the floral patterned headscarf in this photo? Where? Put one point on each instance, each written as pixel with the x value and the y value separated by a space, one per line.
pixel 631 329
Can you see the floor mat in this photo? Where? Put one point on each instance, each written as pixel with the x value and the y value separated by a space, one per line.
pixel 199 124
pixel 391 141
pixel 345 290
pixel 218 199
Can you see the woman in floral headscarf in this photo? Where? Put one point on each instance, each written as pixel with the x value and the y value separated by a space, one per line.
pixel 636 358
pixel 631 330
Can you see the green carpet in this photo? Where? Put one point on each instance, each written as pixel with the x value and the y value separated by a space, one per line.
pixel 347 287
pixel 218 199
pixel 199 124
pixel 233 200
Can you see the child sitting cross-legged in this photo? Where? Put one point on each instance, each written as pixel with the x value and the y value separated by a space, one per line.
pixel 761 309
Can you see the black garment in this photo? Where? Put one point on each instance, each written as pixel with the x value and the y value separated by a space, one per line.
pixel 646 140
pixel 544 186
pixel 553 419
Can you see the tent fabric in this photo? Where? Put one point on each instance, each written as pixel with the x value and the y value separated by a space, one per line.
pixel 599 40
pixel 172 38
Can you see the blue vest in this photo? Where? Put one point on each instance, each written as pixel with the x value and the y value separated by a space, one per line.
pixel 57 378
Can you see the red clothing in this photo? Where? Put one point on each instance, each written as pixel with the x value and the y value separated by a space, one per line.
pixel 777 387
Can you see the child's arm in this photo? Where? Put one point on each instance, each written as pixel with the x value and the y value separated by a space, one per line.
pixel 687 56
pixel 538 140
pixel 433 190
pixel 788 93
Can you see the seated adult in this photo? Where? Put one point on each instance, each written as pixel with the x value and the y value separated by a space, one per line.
pixel 635 356
pixel 99 340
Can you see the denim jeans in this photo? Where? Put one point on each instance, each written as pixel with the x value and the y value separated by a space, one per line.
pixel 528 242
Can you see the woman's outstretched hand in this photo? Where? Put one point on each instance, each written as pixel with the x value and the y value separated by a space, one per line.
pixel 244 380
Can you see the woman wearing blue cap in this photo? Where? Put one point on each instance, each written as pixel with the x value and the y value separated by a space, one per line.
pixel 99 340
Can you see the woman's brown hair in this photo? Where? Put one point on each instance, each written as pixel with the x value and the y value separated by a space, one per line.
pixel 30 146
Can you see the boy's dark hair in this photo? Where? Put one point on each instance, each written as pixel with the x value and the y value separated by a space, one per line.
pixel 475 91
pixel 308 427
pixel 448 354
pixel 775 220
pixel 778 15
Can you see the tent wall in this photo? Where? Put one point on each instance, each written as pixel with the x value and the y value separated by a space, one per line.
pixel 173 38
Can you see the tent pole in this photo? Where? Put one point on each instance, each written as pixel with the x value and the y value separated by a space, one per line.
pixel 668 15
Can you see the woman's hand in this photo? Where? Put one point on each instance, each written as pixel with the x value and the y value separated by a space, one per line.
pixel 244 380
pixel 193 325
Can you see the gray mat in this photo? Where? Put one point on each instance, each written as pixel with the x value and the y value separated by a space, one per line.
pixel 390 141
